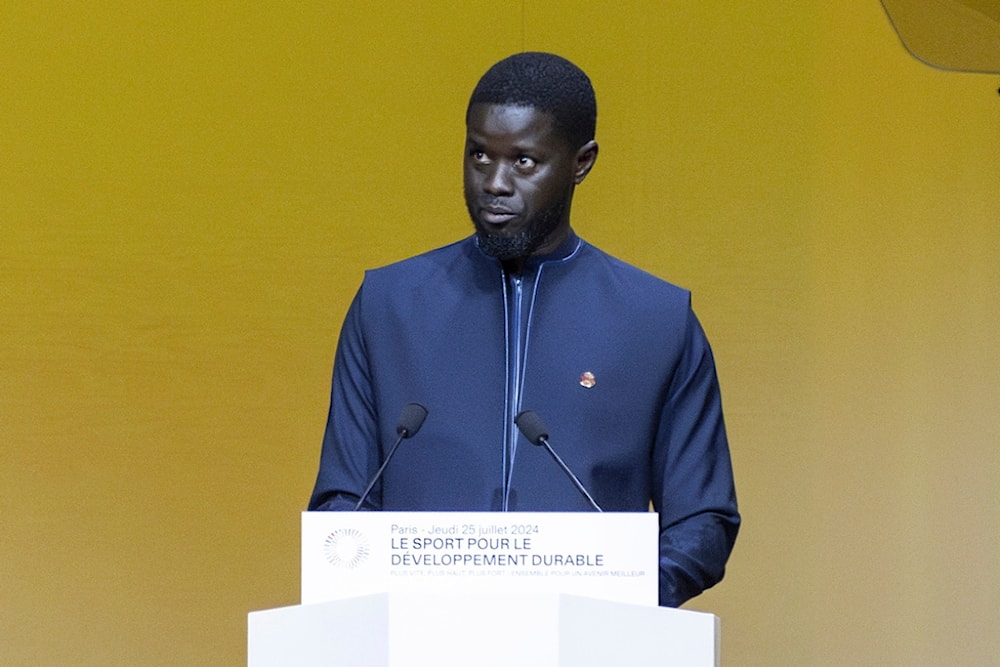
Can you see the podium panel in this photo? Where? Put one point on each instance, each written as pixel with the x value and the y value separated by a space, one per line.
pixel 387 589
pixel 608 556
pixel 487 630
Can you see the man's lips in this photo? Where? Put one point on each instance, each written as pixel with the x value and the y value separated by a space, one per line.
pixel 496 215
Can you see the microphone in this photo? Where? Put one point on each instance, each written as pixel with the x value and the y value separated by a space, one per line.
pixel 532 428
pixel 410 420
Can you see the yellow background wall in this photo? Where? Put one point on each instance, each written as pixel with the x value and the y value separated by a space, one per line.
pixel 189 193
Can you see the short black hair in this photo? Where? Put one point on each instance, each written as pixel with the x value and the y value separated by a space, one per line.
pixel 546 82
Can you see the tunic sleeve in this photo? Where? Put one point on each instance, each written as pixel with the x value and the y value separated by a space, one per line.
pixel 350 453
pixel 693 478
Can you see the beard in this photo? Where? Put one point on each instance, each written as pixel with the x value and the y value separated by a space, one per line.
pixel 524 243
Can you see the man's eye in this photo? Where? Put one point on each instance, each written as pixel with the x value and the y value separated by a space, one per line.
pixel 479 156
pixel 525 162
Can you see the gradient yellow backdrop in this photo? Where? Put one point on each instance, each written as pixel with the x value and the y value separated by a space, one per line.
pixel 190 191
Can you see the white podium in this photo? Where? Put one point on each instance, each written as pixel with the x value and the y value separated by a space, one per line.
pixel 486 630
pixel 546 607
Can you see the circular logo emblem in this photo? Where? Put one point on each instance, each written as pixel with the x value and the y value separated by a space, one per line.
pixel 346 548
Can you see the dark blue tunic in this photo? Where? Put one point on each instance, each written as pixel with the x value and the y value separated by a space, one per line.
pixel 610 357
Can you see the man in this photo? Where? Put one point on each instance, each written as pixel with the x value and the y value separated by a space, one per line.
pixel 525 315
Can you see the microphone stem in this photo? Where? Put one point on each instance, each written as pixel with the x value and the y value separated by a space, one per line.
pixel 569 473
pixel 364 496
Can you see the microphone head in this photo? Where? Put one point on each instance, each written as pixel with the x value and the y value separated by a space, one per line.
pixel 532 427
pixel 411 419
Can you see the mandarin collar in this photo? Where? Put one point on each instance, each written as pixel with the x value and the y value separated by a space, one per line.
pixel 562 252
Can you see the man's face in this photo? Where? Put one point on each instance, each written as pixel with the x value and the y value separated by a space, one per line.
pixel 519 179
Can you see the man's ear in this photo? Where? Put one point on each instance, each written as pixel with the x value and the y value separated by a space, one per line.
pixel 585 158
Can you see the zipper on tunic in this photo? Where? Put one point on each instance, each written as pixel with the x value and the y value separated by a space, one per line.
pixel 514 298
pixel 519 293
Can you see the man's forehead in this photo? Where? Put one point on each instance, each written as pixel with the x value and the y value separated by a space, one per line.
pixel 509 118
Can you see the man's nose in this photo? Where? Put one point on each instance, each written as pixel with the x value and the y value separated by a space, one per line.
pixel 498 180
